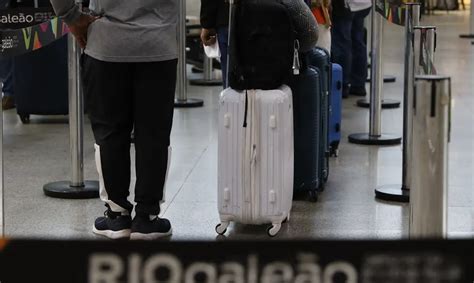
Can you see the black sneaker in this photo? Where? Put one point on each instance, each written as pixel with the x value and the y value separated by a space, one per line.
pixel 358 91
pixel 113 225
pixel 145 229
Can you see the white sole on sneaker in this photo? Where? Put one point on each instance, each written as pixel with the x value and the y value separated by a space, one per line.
pixel 112 234
pixel 150 236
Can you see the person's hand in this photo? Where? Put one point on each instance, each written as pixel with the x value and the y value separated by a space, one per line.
pixel 208 36
pixel 80 27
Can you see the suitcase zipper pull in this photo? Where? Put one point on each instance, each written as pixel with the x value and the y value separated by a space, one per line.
pixel 296 58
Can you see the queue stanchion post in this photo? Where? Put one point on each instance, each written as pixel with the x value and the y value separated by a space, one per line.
pixel 375 135
pixel 426 37
pixel 182 100
pixel 431 134
pixel 386 103
pixel 76 188
pixel 471 23
pixel 401 192
pixel 208 74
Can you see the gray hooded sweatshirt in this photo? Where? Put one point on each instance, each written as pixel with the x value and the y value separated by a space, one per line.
pixel 128 30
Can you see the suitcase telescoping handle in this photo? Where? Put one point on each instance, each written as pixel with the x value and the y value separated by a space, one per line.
pixel 229 38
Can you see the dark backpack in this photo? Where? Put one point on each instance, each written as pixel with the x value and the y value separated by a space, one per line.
pixel 262 45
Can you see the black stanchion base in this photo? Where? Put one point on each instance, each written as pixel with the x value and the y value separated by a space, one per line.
pixel 366 139
pixel 392 193
pixel 64 190
pixel 386 79
pixel 466 36
pixel 204 82
pixel 386 103
pixel 188 103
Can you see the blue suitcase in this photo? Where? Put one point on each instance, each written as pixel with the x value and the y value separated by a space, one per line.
pixel 335 110
pixel 306 113
pixel 320 59
pixel 41 81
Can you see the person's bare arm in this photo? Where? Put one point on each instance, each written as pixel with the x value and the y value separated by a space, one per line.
pixel 77 22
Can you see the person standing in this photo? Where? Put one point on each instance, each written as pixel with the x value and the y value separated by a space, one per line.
pixel 349 48
pixel 129 76
pixel 321 11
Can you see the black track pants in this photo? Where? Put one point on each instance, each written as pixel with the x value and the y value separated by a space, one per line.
pixel 121 97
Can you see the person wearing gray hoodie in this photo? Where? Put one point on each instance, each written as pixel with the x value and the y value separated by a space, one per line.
pixel 129 76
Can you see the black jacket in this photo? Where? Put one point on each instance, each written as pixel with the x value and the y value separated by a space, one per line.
pixel 214 13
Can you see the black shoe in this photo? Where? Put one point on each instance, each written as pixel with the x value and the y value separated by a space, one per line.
pixel 358 91
pixel 113 225
pixel 145 229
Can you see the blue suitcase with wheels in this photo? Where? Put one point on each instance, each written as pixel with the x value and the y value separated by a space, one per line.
pixel 320 59
pixel 41 81
pixel 307 136
pixel 335 110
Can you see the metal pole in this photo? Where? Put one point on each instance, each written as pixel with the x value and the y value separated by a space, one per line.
pixel 401 192
pixel 182 87
pixel 76 188
pixel 375 136
pixel 376 84
pixel 76 116
pixel 471 23
pixel 182 99
pixel 412 19
pixel 428 205
pixel 208 74
pixel 386 103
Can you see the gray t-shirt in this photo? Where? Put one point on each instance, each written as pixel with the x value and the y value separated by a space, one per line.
pixel 129 30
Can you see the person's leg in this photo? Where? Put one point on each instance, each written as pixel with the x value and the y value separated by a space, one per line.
pixel 359 54
pixel 154 91
pixel 341 46
pixel 107 89
pixel 222 39
pixel 324 39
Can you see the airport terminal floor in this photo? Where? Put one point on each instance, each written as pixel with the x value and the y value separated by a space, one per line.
pixel 38 153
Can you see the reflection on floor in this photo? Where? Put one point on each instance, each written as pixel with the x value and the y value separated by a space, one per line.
pixel 38 153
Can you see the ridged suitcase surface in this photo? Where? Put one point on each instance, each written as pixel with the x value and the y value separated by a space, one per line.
pixel 307 126
pixel 320 59
pixel 255 163
pixel 335 110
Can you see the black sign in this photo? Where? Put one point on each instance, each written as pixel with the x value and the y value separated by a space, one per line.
pixel 235 261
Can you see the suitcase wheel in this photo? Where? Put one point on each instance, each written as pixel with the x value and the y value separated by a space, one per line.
pixel 25 118
pixel 221 228
pixel 273 230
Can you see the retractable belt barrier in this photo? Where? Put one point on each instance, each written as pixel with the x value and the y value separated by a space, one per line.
pixel 375 135
pixel 431 132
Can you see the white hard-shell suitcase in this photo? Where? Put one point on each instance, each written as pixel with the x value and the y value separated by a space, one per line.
pixel 255 163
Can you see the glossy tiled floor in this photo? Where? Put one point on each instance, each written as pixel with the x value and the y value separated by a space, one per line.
pixel 36 154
